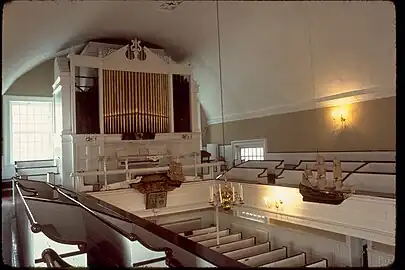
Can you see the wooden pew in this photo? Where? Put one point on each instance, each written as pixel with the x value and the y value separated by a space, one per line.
pixel 293 261
pixel 235 245
pixel 319 264
pixel 222 240
pixel 254 175
pixel 264 164
pixel 265 258
pixel 182 226
pixel 198 231
pixel 249 251
pixel 379 167
pixel 207 236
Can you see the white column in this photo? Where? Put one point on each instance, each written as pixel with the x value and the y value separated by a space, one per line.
pixel 73 94
pixel 171 108
pixel 100 97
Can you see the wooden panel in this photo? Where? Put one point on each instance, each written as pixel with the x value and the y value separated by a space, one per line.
pixel 249 251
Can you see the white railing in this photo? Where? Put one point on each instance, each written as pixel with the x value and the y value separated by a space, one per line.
pixel 78 177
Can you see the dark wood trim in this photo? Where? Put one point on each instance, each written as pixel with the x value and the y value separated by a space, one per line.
pixel 327 151
pixel 260 175
pixel 49 201
pixel 138 264
pixel 64 255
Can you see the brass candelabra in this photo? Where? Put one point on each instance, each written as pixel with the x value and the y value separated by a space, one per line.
pixel 225 196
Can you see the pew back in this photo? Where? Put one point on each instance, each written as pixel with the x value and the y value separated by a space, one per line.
pixel 234 245
pixel 320 264
pixel 294 261
pixel 265 258
pixel 249 251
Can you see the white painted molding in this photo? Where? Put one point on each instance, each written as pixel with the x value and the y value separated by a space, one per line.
pixel 376 93
pixel 366 217
pixel 117 61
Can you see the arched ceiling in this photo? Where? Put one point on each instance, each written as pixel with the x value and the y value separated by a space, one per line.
pixel 276 56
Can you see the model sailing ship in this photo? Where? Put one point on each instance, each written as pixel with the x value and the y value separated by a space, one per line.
pixel 316 188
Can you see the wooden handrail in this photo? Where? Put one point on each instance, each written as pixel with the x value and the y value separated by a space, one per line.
pixel 170 260
pixel 46 230
pixel 53 260
pixel 182 242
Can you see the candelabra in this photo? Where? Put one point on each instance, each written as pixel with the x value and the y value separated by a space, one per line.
pixel 224 197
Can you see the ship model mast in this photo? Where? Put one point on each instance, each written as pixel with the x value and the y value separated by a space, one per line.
pixel 316 189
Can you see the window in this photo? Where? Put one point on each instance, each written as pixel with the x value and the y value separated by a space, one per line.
pixel 250 153
pixel 249 150
pixel 31 130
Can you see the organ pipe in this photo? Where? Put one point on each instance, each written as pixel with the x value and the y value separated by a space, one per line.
pixel 135 102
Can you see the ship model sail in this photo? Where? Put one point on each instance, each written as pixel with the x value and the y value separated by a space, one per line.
pixel 315 188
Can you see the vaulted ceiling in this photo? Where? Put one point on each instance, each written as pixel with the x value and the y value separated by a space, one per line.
pixel 276 56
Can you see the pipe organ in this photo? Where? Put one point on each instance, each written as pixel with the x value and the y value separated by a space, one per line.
pixel 135 102
pixel 141 106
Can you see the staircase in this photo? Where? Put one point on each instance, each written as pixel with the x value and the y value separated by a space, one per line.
pixel 247 250
pixel 37 169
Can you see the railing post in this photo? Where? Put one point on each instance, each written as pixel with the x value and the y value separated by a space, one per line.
pixel 50 178
pixel 211 170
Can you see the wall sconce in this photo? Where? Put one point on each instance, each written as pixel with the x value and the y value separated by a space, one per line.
pixel 340 114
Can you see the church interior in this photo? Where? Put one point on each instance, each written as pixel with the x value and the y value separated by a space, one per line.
pixel 199 134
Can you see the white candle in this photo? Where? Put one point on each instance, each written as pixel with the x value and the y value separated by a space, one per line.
pixel 211 193
pixel 220 193
pixel 241 191
pixel 233 193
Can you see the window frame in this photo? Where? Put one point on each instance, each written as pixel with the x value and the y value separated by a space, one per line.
pixel 7 121
pixel 256 143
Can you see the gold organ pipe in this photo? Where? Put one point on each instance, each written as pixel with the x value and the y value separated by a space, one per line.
pixel 135 102
pixel 122 107
pixel 129 110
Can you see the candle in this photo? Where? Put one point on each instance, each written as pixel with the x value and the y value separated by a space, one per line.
pixel 220 193
pixel 233 193
pixel 211 193
pixel 241 191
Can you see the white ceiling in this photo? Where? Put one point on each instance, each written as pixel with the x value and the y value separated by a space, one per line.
pixel 269 62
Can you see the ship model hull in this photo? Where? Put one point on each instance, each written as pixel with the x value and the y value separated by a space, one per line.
pixel 321 196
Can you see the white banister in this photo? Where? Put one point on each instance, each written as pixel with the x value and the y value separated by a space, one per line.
pixel 145 170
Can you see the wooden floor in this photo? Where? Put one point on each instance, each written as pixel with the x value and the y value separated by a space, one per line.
pixel 9 243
